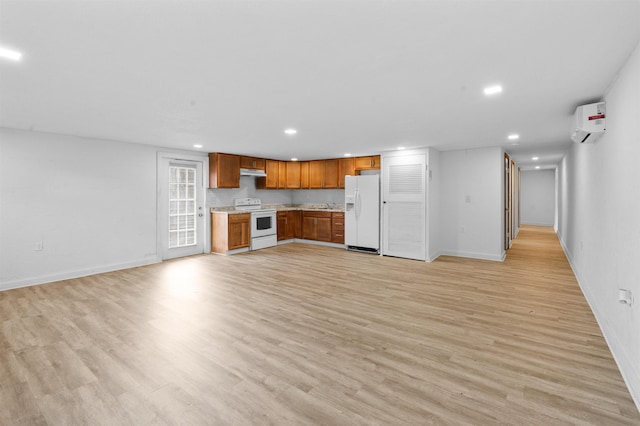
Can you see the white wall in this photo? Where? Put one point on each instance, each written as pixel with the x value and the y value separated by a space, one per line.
pixel 92 203
pixel 599 226
pixel 538 197
pixel 471 194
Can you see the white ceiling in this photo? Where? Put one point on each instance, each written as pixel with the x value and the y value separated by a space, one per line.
pixel 351 76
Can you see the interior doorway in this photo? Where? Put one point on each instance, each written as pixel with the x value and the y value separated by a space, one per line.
pixel 511 201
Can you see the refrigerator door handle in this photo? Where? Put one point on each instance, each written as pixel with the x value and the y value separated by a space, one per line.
pixel 358 203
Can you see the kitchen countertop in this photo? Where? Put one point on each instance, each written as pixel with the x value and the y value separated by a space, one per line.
pixel 323 207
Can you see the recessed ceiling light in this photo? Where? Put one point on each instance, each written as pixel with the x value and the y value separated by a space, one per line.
pixel 294 159
pixel 401 148
pixel 10 54
pixel 492 90
pixel 534 158
pixel 197 146
pixel 513 137
pixel 347 154
pixel 537 167
pixel 291 131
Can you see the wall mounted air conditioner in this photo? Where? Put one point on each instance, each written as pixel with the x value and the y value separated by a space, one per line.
pixel 588 123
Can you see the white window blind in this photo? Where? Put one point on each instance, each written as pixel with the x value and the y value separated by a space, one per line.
pixel 182 206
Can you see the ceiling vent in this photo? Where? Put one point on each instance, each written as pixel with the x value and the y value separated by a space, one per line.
pixel 589 123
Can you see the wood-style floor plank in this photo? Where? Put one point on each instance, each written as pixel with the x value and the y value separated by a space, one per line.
pixel 301 334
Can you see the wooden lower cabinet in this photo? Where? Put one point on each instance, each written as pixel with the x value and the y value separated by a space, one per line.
pixel 297 226
pixel 230 231
pixel 337 228
pixel 316 226
pixel 289 225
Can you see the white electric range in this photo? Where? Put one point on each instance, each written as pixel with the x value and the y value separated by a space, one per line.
pixel 263 222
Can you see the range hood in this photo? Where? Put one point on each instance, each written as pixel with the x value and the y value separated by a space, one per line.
pixel 252 172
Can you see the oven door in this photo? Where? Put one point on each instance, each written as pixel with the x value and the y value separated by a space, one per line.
pixel 263 224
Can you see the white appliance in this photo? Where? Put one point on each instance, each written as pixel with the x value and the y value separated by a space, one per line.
pixel 589 123
pixel 362 213
pixel 263 223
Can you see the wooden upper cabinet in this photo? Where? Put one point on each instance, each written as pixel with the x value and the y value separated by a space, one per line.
pixel 316 174
pixel 224 170
pixel 323 174
pixel 273 176
pixel 282 174
pixel 346 167
pixel 252 163
pixel 331 179
pixel 304 175
pixel 293 175
pixel 367 163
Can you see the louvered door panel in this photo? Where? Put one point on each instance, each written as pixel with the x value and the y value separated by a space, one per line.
pixel 404 206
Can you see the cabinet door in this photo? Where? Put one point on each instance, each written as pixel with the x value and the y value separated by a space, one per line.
pixel 247 162
pixel 224 170
pixel 252 163
pixel 239 230
pixel 272 170
pixel 316 174
pixel 282 174
pixel 304 175
pixel 375 162
pixel 297 220
pixel 293 175
pixel 331 174
pixel 282 225
pixel 346 167
pixel 309 226
pixel 324 227
pixel 367 163
pixel 290 225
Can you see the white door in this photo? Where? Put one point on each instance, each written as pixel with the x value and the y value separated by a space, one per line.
pixel 404 206
pixel 181 194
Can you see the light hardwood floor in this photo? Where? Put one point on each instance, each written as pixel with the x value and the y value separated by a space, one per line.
pixel 303 334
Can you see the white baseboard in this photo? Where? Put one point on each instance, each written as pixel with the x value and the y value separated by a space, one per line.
pixel 628 369
pixel 318 243
pixel 66 275
pixel 537 224
pixel 434 256
pixel 473 255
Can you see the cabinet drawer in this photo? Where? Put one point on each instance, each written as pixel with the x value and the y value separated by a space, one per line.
pixel 238 218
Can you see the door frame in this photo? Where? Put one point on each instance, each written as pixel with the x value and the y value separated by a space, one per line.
pixel 163 160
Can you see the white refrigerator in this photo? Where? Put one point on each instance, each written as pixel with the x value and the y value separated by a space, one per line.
pixel 362 213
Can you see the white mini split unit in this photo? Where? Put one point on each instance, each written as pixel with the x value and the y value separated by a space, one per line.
pixel 588 123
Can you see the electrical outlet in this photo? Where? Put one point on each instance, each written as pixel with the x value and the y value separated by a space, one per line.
pixel 38 246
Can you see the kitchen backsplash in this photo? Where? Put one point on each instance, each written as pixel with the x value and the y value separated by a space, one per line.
pixel 225 197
